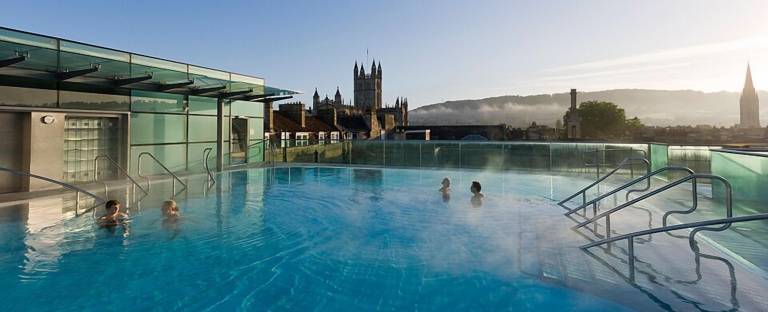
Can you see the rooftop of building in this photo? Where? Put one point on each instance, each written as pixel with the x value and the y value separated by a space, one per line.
pixel 31 56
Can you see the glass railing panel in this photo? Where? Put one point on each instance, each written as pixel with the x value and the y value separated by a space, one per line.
pixel 446 154
pixel 526 156
pixel 367 153
pixel 698 158
pixel 477 155
pixel 334 153
pixel 748 175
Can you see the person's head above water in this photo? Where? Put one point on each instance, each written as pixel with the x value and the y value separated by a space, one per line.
pixel 170 208
pixel 476 187
pixel 446 182
pixel 112 206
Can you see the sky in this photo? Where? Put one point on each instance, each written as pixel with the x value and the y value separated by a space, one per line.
pixel 432 51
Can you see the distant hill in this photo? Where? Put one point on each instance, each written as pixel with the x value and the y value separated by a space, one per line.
pixel 653 107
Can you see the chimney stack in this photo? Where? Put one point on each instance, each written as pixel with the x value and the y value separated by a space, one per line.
pixel 573 99
pixel 295 112
pixel 269 123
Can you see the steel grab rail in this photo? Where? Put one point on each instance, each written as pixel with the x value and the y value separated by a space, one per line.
pixel 120 168
pixel 270 145
pixel 173 181
pixel 694 177
pixel 699 226
pixel 647 177
pixel 206 153
pixel 597 160
pixel 78 190
pixel 626 161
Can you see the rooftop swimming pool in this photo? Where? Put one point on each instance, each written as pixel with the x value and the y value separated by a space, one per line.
pixel 357 239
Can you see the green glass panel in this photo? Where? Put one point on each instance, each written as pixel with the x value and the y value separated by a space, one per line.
pixel 27 39
pixel 202 128
pixel 227 160
pixel 159 75
pixel 145 101
pixel 162 71
pixel 256 152
pixel 255 128
pixel 93 101
pixel 89 50
pixel 195 156
pixel 246 108
pixel 108 68
pixel 226 128
pixel 202 105
pixel 141 60
pixel 15 96
pixel 209 73
pixel 172 156
pixel 40 59
pixel 658 156
pixel 697 158
pixel 157 128
pixel 748 175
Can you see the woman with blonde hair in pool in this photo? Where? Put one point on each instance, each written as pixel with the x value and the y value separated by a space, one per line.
pixel 171 216
pixel 170 209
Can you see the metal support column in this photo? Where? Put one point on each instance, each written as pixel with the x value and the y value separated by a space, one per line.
pixel 220 134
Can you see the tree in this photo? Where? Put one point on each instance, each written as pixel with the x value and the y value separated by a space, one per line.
pixel 605 120
pixel 633 126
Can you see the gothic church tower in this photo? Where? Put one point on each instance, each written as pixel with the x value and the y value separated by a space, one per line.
pixel 368 87
pixel 749 106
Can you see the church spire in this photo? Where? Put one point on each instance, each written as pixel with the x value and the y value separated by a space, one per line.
pixel 748 85
pixel 749 104
pixel 373 68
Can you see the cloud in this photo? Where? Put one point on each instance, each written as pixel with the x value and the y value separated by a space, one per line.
pixel 676 54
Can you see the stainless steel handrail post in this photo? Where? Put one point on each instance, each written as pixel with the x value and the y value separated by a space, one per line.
pixel 646 177
pixel 207 153
pixel 698 226
pixel 728 208
pixel 174 176
pixel 626 161
pixel 77 189
pixel 120 168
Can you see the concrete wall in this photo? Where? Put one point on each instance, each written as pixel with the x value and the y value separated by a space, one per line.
pixel 45 156
pixel 11 125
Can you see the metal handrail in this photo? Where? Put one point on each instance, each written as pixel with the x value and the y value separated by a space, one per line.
pixel 120 168
pixel 173 181
pixel 699 226
pixel 597 161
pixel 694 194
pixel 596 151
pixel 583 191
pixel 78 190
pixel 646 177
pixel 206 153
pixel 268 144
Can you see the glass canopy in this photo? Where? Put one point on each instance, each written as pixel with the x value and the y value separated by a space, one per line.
pixel 31 56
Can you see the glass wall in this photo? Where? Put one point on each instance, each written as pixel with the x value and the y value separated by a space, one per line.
pixel 172 105
pixel 748 175
pixel 253 112
pixel 659 154
pixel 183 127
pixel 573 157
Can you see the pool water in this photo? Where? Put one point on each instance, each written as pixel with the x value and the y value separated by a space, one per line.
pixel 307 238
